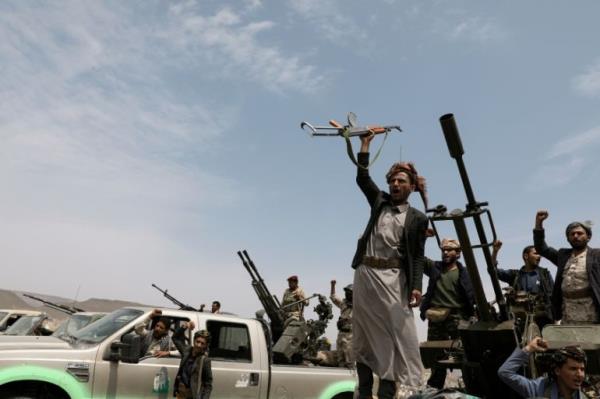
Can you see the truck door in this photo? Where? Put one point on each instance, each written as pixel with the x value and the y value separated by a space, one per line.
pixel 152 377
pixel 236 362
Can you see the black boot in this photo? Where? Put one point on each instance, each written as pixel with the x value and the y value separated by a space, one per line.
pixel 387 389
pixel 365 381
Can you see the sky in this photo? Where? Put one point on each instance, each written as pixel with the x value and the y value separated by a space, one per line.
pixel 147 141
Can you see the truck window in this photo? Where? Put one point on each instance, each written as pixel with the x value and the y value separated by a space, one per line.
pixel 229 341
pixel 108 325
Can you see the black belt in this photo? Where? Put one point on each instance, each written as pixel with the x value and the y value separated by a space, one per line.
pixel 382 263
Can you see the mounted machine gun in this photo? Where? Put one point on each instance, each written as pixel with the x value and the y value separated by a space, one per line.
pixel 269 302
pixel 182 306
pixel 490 340
pixel 56 306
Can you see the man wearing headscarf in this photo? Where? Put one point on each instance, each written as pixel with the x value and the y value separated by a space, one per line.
pixel 449 299
pixel 576 294
pixel 388 277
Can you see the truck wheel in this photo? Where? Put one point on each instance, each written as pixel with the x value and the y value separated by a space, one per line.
pixel 344 395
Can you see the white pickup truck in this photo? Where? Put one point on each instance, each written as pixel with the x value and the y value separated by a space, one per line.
pixel 102 361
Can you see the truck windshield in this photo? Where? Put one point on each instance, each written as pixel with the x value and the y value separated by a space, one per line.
pixel 106 326
pixel 74 323
pixel 24 325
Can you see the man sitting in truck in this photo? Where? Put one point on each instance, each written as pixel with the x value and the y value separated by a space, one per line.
pixel 158 342
pixel 194 378
pixel 564 381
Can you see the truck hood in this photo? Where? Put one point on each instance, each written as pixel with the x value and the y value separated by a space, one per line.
pixel 8 342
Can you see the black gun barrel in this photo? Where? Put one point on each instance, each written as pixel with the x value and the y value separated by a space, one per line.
pixel 269 302
pixel 182 306
pixel 456 151
pixel 473 207
pixel 56 306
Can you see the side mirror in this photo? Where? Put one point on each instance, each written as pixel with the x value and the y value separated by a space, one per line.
pixel 127 350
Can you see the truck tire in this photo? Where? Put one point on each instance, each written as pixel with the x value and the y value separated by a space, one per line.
pixel 32 390
pixel 344 395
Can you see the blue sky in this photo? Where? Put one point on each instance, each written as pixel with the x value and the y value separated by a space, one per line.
pixel 146 142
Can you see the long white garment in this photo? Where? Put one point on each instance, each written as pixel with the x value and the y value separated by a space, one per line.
pixel 385 335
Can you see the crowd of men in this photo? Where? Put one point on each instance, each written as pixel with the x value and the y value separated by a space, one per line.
pixel 388 266
pixel 376 328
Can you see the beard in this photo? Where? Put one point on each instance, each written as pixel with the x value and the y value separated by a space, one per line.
pixel 578 244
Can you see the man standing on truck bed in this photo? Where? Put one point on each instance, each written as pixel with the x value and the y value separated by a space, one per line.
pixel 448 301
pixel 342 355
pixel 532 279
pixel 388 275
pixel 194 378
pixel 576 294
pixel 292 301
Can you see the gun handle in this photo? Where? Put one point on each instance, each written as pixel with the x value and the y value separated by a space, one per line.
pixel 336 124
pixel 377 129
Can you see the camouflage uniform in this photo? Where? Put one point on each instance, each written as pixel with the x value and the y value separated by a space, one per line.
pixel 294 312
pixel 344 356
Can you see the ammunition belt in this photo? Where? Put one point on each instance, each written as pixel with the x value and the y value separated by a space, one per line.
pixel 382 263
pixel 578 294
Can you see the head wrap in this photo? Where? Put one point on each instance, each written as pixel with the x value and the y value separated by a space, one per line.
pixel 293 278
pixel 202 333
pixel 587 226
pixel 450 243
pixel 411 171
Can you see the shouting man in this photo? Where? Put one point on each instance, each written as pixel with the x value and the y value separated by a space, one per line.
pixel 576 294
pixel 388 277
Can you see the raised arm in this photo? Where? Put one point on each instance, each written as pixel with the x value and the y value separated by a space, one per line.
pixel 363 179
pixel 504 275
pixel 141 328
pixel 337 301
pixel 539 238
pixel 509 371
pixel 179 336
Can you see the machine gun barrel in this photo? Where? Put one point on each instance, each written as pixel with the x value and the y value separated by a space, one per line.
pixel 301 300
pixel 56 306
pixel 473 208
pixel 182 306
pixel 269 302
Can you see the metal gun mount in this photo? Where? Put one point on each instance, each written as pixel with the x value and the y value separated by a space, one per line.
pixel 269 301
pixel 488 342
pixel 473 210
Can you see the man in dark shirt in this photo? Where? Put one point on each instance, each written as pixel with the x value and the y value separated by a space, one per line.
pixel 564 380
pixel 448 301
pixel 194 378
pixel 532 279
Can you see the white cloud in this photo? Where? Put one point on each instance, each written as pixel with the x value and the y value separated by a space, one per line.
pixel 232 44
pixel 457 26
pixel 558 172
pixel 588 83
pixel 567 159
pixel 575 144
pixel 328 18
pixel 96 145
